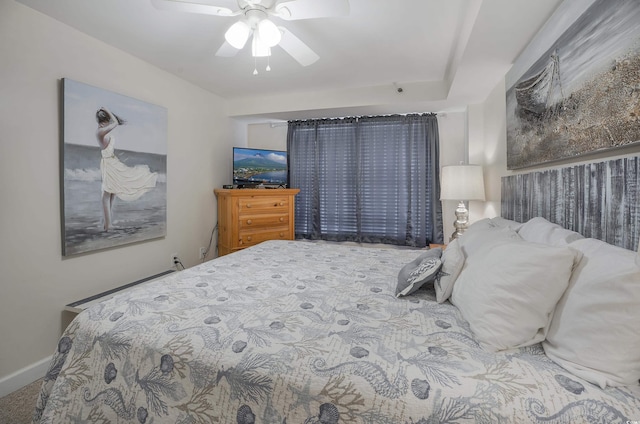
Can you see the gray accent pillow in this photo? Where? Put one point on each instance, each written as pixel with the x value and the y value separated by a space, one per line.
pixel 416 273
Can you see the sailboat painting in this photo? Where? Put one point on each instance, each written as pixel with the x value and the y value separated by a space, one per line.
pixel 582 95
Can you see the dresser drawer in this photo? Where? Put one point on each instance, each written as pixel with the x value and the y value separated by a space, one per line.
pixel 252 205
pixel 248 222
pixel 250 216
pixel 249 238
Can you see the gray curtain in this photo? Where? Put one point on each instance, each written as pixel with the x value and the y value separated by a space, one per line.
pixel 368 179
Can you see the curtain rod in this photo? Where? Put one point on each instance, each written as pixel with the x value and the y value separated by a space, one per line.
pixel 442 114
pixel 361 117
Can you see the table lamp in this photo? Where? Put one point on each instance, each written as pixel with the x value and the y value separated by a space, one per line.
pixel 461 182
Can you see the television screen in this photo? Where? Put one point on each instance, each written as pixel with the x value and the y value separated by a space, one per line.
pixel 259 166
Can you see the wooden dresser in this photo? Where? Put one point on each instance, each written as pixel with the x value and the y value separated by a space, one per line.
pixel 251 216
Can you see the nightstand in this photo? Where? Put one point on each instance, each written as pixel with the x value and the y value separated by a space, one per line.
pixel 435 245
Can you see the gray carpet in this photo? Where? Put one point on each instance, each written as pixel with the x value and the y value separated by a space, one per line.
pixel 18 407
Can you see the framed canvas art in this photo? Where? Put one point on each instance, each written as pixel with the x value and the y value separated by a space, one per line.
pixel 113 169
pixel 576 88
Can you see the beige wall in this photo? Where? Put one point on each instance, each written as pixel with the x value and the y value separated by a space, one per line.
pixel 36 281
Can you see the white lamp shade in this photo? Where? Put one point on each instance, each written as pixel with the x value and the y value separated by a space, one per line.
pixel 238 34
pixel 462 182
pixel 268 33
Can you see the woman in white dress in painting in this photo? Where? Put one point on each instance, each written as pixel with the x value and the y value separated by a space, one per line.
pixel 118 179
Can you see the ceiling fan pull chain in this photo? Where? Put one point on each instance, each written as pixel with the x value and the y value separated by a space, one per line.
pixel 268 63
pixel 255 66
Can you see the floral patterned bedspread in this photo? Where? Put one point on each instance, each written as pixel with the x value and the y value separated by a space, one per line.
pixel 299 332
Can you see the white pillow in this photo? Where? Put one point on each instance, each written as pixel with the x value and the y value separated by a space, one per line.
pixel 482 224
pixel 539 230
pixel 452 262
pixel 508 291
pixel 595 331
pixel 499 221
pixel 475 241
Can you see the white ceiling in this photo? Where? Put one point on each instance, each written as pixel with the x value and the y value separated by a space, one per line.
pixel 445 54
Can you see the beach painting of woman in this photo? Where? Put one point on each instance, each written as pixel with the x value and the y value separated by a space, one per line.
pixel 114 167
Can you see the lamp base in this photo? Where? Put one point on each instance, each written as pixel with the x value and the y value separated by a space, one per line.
pixel 461 222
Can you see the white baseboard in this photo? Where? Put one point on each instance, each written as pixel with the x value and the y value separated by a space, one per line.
pixel 24 376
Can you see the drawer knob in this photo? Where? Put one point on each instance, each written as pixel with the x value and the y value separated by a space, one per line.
pixel 248 205
pixel 281 219
pixel 248 238
pixel 281 234
pixel 281 203
pixel 249 222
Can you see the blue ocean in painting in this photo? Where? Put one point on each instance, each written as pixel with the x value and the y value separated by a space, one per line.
pixel 139 220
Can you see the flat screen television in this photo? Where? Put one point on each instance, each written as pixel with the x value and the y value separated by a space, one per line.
pixel 252 167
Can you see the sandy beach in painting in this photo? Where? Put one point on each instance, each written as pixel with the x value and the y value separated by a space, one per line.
pixel 603 114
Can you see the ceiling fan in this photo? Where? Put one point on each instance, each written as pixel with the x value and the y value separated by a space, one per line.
pixel 255 22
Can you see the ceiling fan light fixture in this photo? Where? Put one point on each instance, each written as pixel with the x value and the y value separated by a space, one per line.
pixel 238 34
pixel 254 22
pixel 268 33
pixel 259 48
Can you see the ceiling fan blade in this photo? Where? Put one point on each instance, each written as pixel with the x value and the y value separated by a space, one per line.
pixel 309 9
pixel 297 49
pixel 227 50
pixel 189 7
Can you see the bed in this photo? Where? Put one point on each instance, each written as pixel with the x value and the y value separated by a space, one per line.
pixel 303 332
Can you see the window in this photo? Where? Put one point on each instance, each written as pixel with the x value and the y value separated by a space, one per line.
pixel 370 179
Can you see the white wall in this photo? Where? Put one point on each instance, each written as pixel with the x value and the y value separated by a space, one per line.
pixel 490 147
pixel 36 281
pixel 268 136
pixel 453 150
